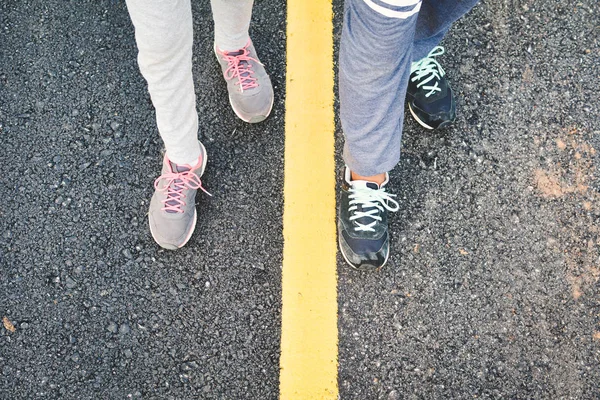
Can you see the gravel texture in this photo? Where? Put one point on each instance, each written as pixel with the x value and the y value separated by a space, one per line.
pixel 100 312
pixel 492 287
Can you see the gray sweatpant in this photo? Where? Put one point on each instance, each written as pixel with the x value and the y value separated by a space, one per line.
pixel 380 40
pixel 163 32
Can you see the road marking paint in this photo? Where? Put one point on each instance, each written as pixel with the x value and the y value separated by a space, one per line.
pixel 308 364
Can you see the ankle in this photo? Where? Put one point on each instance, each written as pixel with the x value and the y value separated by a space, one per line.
pixel 232 47
pixel 378 179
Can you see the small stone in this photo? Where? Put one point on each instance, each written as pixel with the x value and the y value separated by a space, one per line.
pixel 54 279
pixel 124 329
pixel 207 284
pixel 106 153
pixel 393 395
pixel 128 353
pixel 188 366
pixel 127 254
pixel 113 327
pixel 24 325
pixel 70 283
pixel 74 113
pixel 259 266
pixel 75 357
pixel 95 126
pixel 115 125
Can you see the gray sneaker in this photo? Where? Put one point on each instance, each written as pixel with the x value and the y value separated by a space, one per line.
pixel 249 86
pixel 172 213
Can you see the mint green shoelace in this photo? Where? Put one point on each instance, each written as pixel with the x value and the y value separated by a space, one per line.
pixel 428 69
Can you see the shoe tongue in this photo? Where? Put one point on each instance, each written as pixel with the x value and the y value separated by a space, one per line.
pixel 235 53
pixel 365 185
pixel 176 168
pixel 242 62
pixel 179 168
pixel 361 207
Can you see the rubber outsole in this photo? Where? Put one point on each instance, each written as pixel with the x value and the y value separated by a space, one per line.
pixel 424 125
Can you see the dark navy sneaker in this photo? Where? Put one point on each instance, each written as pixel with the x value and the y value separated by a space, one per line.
pixel 362 222
pixel 429 96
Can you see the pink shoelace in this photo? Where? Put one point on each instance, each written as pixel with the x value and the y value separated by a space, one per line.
pixel 238 66
pixel 177 182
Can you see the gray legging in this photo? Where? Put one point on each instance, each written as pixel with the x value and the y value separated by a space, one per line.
pixel 380 40
pixel 163 32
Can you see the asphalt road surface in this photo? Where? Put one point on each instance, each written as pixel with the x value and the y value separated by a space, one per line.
pixel 492 286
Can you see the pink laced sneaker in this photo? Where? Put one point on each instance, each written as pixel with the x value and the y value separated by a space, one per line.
pixel 249 86
pixel 172 214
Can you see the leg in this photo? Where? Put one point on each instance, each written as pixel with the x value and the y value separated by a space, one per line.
pixel 434 21
pixel 163 31
pixel 380 39
pixel 430 98
pixel 249 87
pixel 232 20
pixel 164 37
pixel 375 58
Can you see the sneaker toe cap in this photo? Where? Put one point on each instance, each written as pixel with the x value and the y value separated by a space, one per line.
pixel 364 254
pixel 171 231
pixel 255 107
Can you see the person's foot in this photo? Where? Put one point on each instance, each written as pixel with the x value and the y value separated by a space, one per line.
pixel 249 86
pixel 429 96
pixel 172 213
pixel 362 222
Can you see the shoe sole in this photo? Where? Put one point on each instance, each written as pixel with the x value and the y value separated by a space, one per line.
pixel 359 268
pixel 170 246
pixel 423 124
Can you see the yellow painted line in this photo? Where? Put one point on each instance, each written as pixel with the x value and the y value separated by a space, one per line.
pixel 308 360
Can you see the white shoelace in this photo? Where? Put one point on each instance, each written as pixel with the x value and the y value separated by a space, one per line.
pixel 376 200
pixel 427 69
